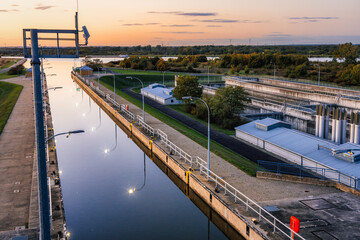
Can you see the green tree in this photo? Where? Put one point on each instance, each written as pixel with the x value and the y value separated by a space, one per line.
pixel 348 52
pixel 95 64
pixel 161 65
pixel 187 86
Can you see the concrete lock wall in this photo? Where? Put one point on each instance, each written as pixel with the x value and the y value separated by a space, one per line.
pixel 222 208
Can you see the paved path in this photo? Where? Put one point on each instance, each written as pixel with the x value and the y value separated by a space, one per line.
pixel 19 62
pixel 17 154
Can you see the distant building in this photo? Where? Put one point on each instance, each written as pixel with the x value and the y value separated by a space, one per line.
pixel 85 71
pixel 161 94
pixel 28 72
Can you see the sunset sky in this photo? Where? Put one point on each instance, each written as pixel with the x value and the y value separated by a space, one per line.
pixel 188 22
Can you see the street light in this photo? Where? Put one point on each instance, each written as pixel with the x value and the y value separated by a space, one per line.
pixel 142 93
pixel 318 65
pixel 114 88
pixel 163 78
pixel 191 98
pixel 209 74
pixel 68 134
pixel 132 190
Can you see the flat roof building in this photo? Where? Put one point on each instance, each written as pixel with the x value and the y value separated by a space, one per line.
pixel 304 149
pixel 160 93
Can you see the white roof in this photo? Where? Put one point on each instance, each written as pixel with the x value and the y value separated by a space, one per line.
pixel 306 145
pixel 159 90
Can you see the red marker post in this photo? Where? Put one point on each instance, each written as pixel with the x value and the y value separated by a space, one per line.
pixel 294 225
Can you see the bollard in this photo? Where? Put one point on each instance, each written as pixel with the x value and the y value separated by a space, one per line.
pixel 131 128
pixel 151 144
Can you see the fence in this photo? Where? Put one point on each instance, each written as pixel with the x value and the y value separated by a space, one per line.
pixel 220 184
pixel 305 171
pixel 108 97
pixel 249 204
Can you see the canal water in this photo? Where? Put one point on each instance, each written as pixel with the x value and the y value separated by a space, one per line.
pixel 111 188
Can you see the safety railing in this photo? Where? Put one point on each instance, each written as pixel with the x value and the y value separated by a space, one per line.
pixel 146 127
pixel 128 114
pixel 108 97
pixel 249 204
pixel 305 171
pixel 175 150
pixel 161 134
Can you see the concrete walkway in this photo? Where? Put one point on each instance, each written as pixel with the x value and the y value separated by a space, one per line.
pixel 17 155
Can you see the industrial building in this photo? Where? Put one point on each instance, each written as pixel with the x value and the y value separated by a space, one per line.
pixel 334 161
pixel 161 94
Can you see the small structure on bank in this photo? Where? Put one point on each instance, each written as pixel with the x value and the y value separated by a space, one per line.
pixel 28 72
pixel 160 93
pixel 85 71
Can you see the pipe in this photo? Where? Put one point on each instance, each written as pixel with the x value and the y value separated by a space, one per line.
pixel 352 128
pixel 333 130
pixel 357 129
pixel 321 126
pixel 317 121
pixel 343 130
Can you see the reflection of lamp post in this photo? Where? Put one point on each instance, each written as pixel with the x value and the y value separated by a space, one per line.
pixel 68 134
pixel 84 114
pixel 132 190
pixel 53 88
pixel 93 129
pixel 107 150
pixel 142 92
pixel 191 98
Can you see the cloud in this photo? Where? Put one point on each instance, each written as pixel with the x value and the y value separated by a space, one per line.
pixel 14 5
pixel 295 20
pixel 217 21
pixel 189 14
pixel 138 24
pixel 10 10
pixel 312 18
pixel 177 25
pixel 42 7
pixel 214 26
pixel 2 10
pixel 183 32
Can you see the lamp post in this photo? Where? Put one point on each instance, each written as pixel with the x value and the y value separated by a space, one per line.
pixel 114 88
pixel 274 70
pixel 163 78
pixel 132 190
pixel 63 133
pixel 142 93
pixel 209 74
pixel 191 98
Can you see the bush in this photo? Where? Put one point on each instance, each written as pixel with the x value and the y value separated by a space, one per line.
pixel 16 70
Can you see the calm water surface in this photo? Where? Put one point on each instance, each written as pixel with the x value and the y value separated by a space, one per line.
pixel 95 184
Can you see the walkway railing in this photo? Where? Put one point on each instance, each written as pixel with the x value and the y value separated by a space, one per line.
pixel 305 171
pixel 129 114
pixel 249 204
pixel 108 97
pixel 145 126
pixel 175 150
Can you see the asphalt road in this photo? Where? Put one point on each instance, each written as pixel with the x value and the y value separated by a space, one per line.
pixel 233 144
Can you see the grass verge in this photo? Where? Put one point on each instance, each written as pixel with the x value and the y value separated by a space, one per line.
pixel 9 94
pixel 6 76
pixel 237 160
pixel 8 64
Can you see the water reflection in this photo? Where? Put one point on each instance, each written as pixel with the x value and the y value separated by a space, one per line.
pixel 107 150
pixel 93 129
pixel 132 190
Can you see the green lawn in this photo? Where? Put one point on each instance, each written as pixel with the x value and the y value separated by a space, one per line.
pixel 149 77
pixel 6 76
pixel 7 65
pixel 9 94
pixel 223 152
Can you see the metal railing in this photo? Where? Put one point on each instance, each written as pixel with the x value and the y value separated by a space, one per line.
pixel 161 134
pixel 145 126
pixel 177 151
pixel 249 204
pixel 305 171
pixel 128 114
pixel 108 97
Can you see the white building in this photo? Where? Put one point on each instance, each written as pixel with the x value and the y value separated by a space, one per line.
pixel 160 93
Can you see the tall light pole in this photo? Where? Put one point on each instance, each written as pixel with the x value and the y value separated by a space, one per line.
pixel 142 93
pixel 208 163
pixel 209 74
pixel 274 70
pixel 65 133
pixel 163 77
pixel 114 88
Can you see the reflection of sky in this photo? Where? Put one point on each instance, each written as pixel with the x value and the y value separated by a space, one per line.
pixel 95 185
